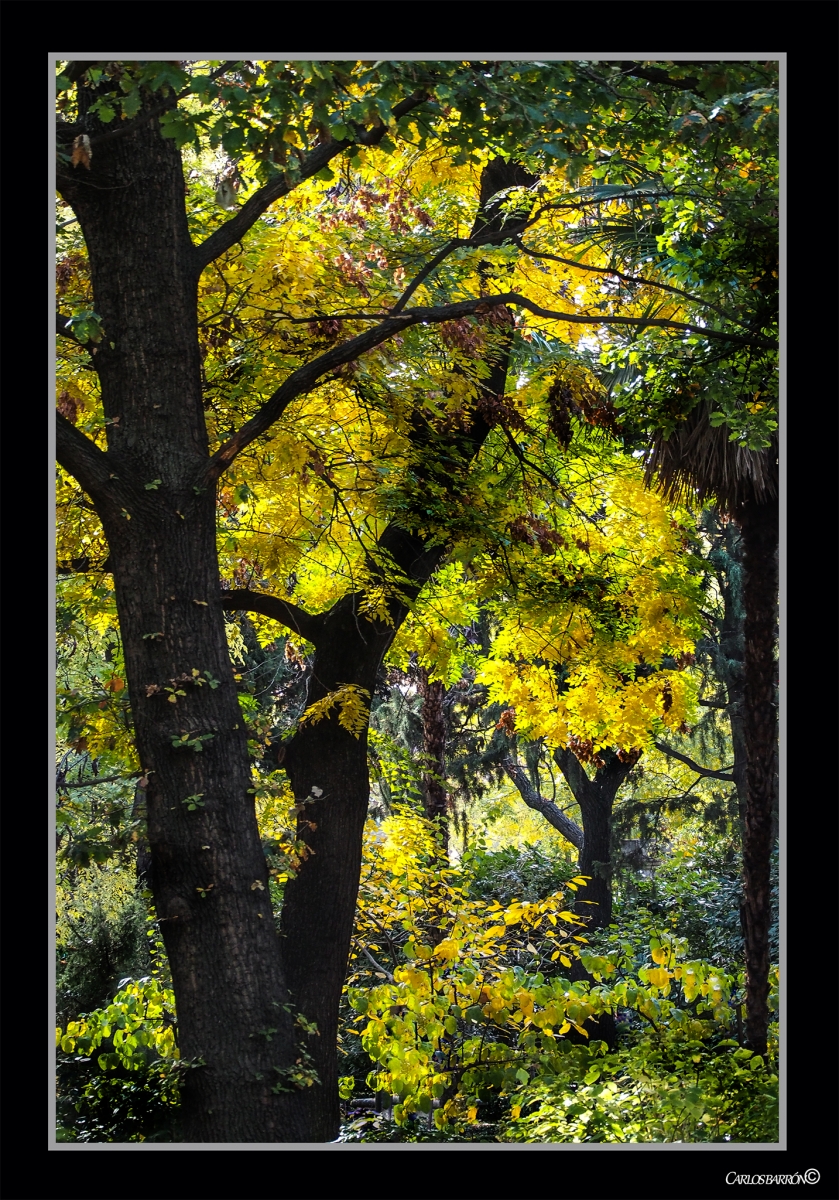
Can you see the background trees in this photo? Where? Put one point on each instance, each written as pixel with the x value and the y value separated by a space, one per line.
pixel 326 460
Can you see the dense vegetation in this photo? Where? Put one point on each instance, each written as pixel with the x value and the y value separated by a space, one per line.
pixel 417 586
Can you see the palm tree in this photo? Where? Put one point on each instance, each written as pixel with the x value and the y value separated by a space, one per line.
pixel 699 462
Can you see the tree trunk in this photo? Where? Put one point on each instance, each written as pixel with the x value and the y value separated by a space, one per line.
pixel 596 798
pixel 319 904
pixel 759 527
pixel 327 767
pixel 728 650
pixel 435 798
pixel 209 871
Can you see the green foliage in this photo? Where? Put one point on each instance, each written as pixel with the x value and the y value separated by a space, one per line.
pixel 672 1084
pixel 527 872
pixel 694 892
pixel 119 1070
pixel 119 1105
pixel 103 934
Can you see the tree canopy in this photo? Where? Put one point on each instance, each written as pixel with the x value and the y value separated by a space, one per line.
pixel 365 373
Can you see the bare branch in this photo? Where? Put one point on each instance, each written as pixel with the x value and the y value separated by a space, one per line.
pixel 234 230
pixel 297 619
pixel 694 766
pixel 83 459
pixel 378 966
pixel 60 786
pixel 657 75
pixel 552 814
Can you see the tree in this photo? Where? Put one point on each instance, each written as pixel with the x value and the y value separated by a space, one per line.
pixel 170 411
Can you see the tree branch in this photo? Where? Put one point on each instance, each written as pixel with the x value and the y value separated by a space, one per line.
pixel 663 287
pixel 307 376
pixel 656 75
pixel 83 459
pixel 233 231
pixel 694 766
pixel 303 623
pixel 378 966
pixel 552 814
pixel 62 330
pixel 60 786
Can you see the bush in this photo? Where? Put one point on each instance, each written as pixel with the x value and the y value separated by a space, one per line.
pixel 677 1083
pixel 102 937
pixel 516 873
pixel 118 1070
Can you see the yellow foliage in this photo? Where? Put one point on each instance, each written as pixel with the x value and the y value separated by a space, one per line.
pixel 353 713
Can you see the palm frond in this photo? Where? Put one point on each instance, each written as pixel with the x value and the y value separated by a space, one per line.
pixel 697 462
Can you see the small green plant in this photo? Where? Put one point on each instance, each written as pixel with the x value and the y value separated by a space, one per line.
pixel 192 741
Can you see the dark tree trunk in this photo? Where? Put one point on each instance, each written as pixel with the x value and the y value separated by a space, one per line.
pixel 319 904
pixel 728 649
pixel 209 872
pixel 596 798
pixel 435 798
pixel 759 527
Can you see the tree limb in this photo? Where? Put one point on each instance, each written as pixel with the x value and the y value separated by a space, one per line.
pixel 305 377
pixel 93 782
pixel 662 287
pixel 233 231
pixel 303 623
pixel 83 459
pixel 694 766
pixel 656 75
pixel 552 814
pixel 378 966
pixel 62 330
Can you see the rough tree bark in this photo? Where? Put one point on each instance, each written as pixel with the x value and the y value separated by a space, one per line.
pixel 759 527
pixel 435 799
pixel 210 875
pixel 596 798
